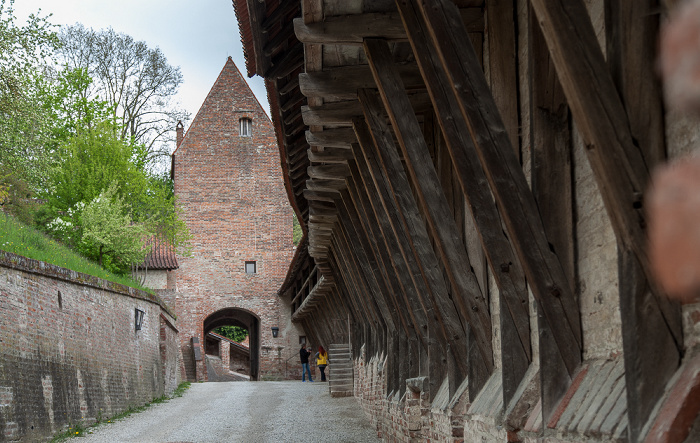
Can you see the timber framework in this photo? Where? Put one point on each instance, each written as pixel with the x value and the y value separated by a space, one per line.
pixel 470 177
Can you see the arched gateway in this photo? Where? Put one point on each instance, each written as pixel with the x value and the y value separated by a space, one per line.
pixel 228 183
pixel 243 319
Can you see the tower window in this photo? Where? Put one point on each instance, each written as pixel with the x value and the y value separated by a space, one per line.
pixel 245 127
pixel 250 267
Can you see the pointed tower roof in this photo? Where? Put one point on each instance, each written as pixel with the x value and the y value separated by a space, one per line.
pixel 229 98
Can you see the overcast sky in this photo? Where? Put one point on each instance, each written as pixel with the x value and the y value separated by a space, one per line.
pixel 197 36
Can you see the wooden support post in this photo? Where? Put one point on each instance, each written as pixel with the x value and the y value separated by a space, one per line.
pixel 382 319
pixel 420 281
pixel 500 25
pixel 418 307
pixel 506 269
pixel 368 267
pixel 542 268
pixel 378 259
pixel 551 185
pixel 467 293
pixel 649 350
pixel 617 162
pixel 397 181
pixel 406 297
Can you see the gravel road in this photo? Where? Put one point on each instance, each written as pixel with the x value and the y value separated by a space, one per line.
pixel 287 411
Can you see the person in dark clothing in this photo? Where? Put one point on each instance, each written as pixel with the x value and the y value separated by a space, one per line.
pixel 304 356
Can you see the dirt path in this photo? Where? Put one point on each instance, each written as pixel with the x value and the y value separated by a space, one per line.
pixel 288 411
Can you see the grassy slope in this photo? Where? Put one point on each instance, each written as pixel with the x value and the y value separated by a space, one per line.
pixel 28 242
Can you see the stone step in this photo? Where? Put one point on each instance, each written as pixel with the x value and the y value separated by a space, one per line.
pixel 341 371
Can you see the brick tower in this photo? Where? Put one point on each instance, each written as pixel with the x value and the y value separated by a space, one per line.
pixel 229 184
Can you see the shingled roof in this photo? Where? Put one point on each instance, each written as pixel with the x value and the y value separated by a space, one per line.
pixel 161 256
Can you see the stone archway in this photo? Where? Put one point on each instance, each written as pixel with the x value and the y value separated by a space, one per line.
pixel 242 318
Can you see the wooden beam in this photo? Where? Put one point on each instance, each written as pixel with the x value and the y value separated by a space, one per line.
pixel 467 293
pixel 328 171
pixel 275 43
pixel 403 295
pixel 404 232
pixel 413 220
pixel 342 83
pixel 256 13
pixel 351 29
pixel 290 86
pixel 336 113
pixel 333 138
pixel 330 185
pixel 552 187
pixel 342 113
pixel 507 180
pixel 617 162
pixel 330 155
pixel 320 195
pixel 649 350
pixel 500 25
pixel 514 301
pixel 287 63
pixel 357 242
pixel 292 102
pixel 279 13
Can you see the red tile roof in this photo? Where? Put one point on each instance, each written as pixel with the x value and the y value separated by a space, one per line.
pixel 162 255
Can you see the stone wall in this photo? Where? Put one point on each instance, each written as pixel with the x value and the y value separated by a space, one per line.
pixel 70 350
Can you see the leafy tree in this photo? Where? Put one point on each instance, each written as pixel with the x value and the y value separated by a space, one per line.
pixel 110 233
pixel 23 54
pixel 297 233
pixel 136 81
pixel 94 160
pixel 235 333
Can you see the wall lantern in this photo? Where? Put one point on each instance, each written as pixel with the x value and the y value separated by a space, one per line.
pixel 275 331
pixel 138 318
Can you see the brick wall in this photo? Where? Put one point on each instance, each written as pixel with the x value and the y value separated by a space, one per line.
pixel 70 352
pixel 232 194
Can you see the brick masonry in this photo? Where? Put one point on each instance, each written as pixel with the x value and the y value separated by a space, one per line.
pixel 231 191
pixel 70 351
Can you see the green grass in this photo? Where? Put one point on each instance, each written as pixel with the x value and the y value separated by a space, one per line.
pixel 80 431
pixel 26 241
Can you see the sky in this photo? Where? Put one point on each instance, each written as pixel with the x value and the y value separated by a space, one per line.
pixel 198 38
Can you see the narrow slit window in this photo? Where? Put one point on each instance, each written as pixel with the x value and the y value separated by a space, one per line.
pixel 245 127
pixel 250 267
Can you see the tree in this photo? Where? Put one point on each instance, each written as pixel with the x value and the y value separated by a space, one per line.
pixel 23 55
pixel 94 160
pixel 136 81
pixel 109 233
pixel 297 233
pixel 235 333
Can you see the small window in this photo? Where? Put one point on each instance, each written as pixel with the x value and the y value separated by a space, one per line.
pixel 245 127
pixel 250 267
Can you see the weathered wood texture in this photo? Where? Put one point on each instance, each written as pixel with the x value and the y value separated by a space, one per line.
pixel 552 182
pixel 506 269
pixel 617 162
pixel 468 298
pixel 518 208
pixel 378 146
pixel 500 23
pixel 648 343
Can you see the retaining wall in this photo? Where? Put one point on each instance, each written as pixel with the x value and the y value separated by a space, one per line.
pixel 70 352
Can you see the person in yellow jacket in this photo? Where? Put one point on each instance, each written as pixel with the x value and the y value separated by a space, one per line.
pixel 322 361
